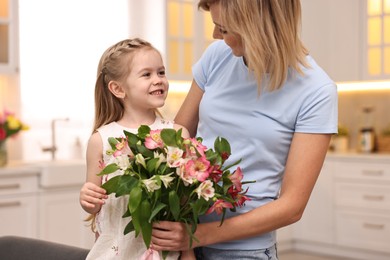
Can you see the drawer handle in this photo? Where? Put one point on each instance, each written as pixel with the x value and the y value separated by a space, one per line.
pixel 10 186
pixel 374 226
pixel 10 204
pixel 373 173
pixel 374 197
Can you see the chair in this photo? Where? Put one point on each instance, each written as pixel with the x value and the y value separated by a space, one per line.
pixel 21 248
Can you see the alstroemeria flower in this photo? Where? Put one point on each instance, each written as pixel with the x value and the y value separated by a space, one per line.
pixel 161 158
pixel 154 140
pixel 123 161
pixel 139 159
pixel 198 168
pixel 205 190
pixel 166 179
pixel 151 184
pixel 122 147
pixel 236 179
pixel 174 156
pixel 218 207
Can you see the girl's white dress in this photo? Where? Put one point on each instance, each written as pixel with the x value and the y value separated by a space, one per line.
pixel 111 243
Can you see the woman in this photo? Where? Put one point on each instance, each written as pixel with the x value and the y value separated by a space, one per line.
pixel 260 89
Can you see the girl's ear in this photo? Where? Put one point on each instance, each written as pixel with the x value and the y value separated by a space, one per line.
pixel 116 89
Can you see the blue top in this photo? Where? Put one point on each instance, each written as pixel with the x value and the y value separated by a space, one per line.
pixel 259 128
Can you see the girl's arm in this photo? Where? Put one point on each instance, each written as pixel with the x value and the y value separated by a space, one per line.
pixel 305 159
pixel 91 194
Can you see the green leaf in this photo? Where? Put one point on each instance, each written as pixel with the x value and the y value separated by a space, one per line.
pixel 222 146
pixel 143 131
pixel 111 184
pixel 135 199
pixel 168 135
pixel 126 183
pixel 109 169
pixel 129 228
pixel 200 206
pixel 151 165
pixel 135 219
pixel 113 141
pixel 156 210
pixel 174 204
pixel 146 226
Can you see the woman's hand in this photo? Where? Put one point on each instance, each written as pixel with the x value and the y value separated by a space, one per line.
pixel 170 236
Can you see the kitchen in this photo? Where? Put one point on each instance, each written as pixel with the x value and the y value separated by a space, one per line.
pixel 334 31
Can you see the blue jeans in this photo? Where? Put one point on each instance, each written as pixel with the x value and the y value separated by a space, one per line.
pixel 207 253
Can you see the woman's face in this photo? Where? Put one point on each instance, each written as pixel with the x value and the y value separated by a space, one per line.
pixel 234 41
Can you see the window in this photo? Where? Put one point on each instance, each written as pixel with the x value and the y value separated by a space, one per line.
pixel 378 38
pixel 189 32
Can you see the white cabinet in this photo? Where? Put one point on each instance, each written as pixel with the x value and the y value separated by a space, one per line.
pixel 316 224
pixel 348 214
pixel 19 205
pixel 61 218
pixel 333 32
pixel 362 205
pixel 8 36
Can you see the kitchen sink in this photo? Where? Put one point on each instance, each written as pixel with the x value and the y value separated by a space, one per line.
pixel 56 174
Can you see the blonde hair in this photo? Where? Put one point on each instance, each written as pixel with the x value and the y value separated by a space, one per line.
pixel 270 31
pixel 114 65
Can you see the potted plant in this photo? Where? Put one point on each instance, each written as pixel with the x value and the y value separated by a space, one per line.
pixel 340 141
pixel 383 140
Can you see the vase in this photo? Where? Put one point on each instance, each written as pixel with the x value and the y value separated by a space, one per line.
pixel 3 154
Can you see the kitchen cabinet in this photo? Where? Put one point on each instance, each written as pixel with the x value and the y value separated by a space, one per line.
pixel 349 39
pixel 8 36
pixel 348 214
pixel 42 201
pixel 19 204
pixel 333 32
pixel 61 218
pixel 362 207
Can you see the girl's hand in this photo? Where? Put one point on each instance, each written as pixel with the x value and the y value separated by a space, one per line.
pixel 92 197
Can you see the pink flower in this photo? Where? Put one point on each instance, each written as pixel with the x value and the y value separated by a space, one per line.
pixel 198 168
pixel 195 148
pixel 236 179
pixel 154 140
pixel 174 157
pixel 218 206
pixel 122 148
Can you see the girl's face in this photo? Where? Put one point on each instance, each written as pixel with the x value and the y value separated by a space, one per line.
pixel 146 87
pixel 234 41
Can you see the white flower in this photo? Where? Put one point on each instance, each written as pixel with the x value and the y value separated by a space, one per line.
pixel 139 159
pixel 151 184
pixel 166 179
pixel 161 158
pixel 205 190
pixel 122 161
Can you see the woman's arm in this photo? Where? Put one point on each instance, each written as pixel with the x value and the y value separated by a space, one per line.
pixel 304 163
pixel 188 115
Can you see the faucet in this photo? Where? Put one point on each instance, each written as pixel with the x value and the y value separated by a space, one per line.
pixel 53 148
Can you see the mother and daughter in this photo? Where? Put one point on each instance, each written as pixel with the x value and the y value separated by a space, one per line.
pixel 258 87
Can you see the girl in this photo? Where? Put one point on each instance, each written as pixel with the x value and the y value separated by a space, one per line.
pixel 130 86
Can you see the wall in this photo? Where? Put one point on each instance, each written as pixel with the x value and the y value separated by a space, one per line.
pixel 350 111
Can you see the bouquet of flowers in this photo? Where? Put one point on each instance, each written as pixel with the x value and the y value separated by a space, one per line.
pixel 171 178
pixel 10 125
